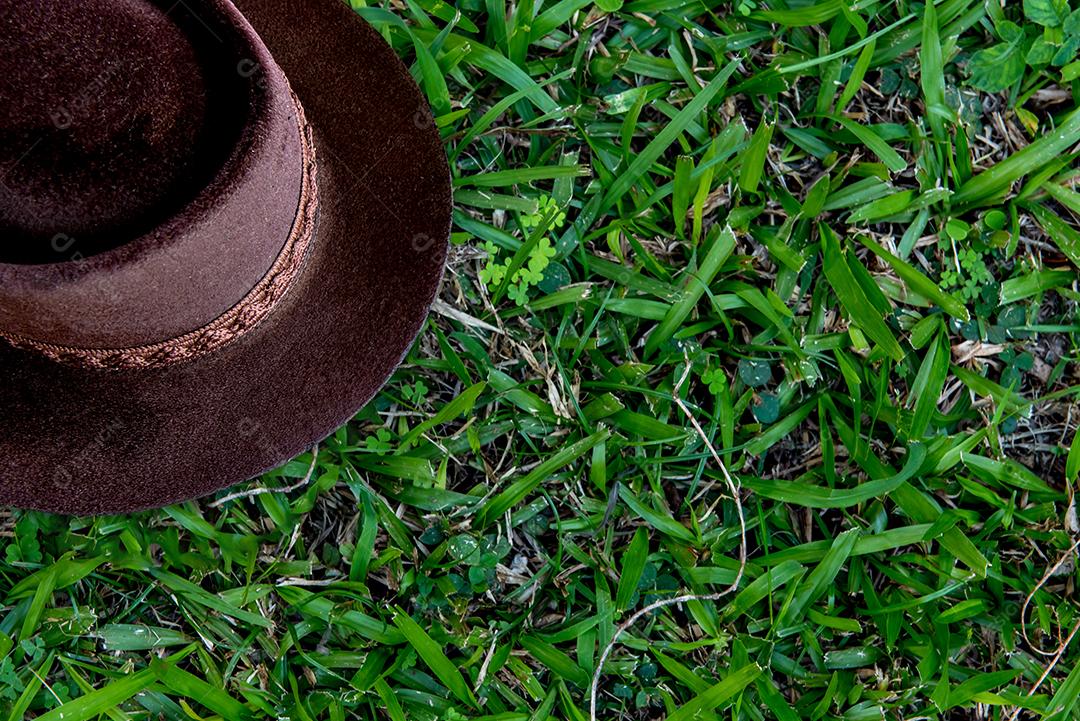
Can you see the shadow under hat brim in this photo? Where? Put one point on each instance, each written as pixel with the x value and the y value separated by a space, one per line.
pixel 83 441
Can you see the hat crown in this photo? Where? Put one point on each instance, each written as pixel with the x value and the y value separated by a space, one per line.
pixel 115 113
pixel 167 191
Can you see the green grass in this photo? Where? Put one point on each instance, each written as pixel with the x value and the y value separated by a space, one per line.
pixel 836 243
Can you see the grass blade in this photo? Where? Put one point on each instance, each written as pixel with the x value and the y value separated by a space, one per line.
pixel 190 686
pixel 506 500
pixel 633 567
pixel 717 695
pixel 696 283
pixel 100 701
pixel 997 180
pixel 918 282
pixel 753 158
pixel 875 143
pixel 1065 237
pixel 821 577
pixel 433 657
pixel 851 295
pixel 811 496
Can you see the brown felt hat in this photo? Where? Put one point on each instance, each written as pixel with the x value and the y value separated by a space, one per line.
pixel 222 224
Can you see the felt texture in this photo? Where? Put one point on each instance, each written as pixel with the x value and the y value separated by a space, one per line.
pixel 199 259
pixel 87 442
pixel 126 108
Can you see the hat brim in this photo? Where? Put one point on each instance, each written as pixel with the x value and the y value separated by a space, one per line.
pixel 82 441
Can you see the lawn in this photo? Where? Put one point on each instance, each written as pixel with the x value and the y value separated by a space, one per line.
pixel 765 307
